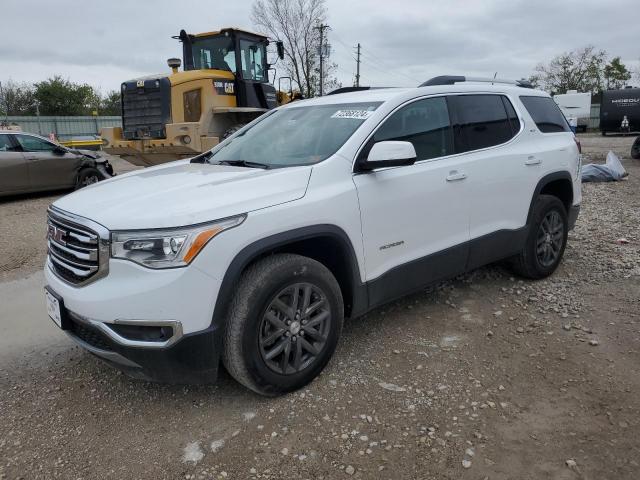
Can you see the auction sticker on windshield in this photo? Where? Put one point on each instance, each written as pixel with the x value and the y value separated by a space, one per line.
pixel 353 114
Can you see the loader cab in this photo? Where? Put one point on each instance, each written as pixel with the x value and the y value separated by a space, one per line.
pixel 242 53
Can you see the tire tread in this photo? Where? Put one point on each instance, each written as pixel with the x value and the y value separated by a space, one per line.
pixel 254 278
pixel 524 263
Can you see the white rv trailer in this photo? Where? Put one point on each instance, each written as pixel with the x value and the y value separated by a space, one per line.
pixel 576 107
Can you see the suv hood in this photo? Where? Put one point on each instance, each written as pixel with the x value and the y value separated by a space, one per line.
pixel 183 193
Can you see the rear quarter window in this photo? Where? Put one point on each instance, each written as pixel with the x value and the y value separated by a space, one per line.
pixel 546 114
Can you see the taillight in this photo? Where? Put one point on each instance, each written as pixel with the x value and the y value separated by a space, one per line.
pixel 578 144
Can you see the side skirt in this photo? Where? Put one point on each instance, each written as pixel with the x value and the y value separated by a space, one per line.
pixel 421 273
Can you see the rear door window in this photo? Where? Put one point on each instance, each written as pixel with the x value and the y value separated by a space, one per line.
pixel 424 123
pixel 482 121
pixel 546 114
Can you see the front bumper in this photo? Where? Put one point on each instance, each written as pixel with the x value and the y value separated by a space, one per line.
pixel 192 359
pixel 133 296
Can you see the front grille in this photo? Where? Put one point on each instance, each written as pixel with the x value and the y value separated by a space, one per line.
pixel 145 108
pixel 90 335
pixel 74 250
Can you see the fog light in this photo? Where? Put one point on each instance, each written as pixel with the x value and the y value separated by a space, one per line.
pixel 143 333
pixel 186 139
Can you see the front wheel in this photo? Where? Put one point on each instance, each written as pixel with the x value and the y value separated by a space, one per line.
pixel 546 240
pixel 283 324
pixel 87 176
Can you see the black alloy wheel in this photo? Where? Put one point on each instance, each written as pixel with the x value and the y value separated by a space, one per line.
pixel 294 328
pixel 550 238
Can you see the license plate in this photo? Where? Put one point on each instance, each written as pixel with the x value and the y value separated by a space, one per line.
pixel 53 308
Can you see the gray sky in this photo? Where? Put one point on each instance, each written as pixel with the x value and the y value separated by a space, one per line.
pixel 404 42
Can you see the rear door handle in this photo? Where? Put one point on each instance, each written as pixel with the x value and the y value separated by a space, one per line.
pixel 455 176
pixel 531 160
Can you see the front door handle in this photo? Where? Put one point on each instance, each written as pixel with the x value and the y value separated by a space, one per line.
pixel 531 160
pixel 455 176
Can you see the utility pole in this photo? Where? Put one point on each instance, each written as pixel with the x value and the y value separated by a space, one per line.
pixel 321 28
pixel 358 67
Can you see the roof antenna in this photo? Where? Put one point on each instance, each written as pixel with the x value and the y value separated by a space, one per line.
pixel 494 77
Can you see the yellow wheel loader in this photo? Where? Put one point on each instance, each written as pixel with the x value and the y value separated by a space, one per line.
pixel 224 84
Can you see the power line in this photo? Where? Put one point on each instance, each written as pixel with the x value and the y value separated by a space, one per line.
pixel 371 58
pixel 357 58
pixel 385 70
pixel 374 62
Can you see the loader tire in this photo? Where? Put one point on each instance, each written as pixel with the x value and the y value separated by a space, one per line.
pixel 232 130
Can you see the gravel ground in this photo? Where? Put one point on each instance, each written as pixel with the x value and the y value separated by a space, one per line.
pixel 483 377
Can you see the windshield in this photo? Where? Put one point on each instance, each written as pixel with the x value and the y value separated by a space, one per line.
pixel 213 53
pixel 296 136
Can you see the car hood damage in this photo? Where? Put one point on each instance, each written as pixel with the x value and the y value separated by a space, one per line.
pixel 95 159
pixel 93 155
pixel 183 193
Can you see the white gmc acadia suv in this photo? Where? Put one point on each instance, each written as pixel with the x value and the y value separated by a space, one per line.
pixel 253 253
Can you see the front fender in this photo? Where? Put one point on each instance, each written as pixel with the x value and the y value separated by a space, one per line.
pixel 105 169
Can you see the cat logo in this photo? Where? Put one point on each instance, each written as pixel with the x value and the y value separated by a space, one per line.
pixel 140 84
pixel 228 88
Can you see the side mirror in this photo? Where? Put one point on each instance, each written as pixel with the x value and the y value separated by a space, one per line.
pixel 280 49
pixel 59 150
pixel 389 154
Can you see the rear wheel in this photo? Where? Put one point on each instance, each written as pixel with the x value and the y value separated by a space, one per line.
pixel 283 324
pixel 635 149
pixel 88 176
pixel 546 241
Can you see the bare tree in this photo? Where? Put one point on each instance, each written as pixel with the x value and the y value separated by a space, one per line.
pixel 580 70
pixel 294 22
pixel 17 99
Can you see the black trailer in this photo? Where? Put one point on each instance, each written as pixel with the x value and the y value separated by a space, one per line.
pixel 615 105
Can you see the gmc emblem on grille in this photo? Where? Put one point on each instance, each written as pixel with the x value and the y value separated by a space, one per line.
pixel 57 234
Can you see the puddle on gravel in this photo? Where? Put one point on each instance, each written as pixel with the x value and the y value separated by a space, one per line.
pixel 25 328
pixel 450 341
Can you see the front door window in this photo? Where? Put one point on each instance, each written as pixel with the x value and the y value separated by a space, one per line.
pixel 35 144
pixel 214 53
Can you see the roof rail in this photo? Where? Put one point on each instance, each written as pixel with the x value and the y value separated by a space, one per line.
pixel 353 89
pixel 453 79
pixel 347 90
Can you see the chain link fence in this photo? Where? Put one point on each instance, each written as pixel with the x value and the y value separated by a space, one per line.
pixel 64 128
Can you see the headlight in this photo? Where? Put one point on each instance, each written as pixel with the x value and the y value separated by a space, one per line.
pixel 175 247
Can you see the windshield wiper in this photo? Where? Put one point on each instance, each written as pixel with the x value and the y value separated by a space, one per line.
pixel 244 163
